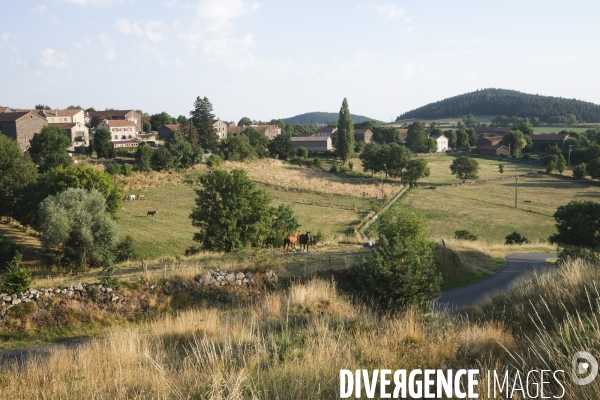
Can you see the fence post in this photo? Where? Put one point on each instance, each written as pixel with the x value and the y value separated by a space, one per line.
pixel 330 261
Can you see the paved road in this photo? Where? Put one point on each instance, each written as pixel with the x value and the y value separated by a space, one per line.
pixel 21 354
pixel 516 266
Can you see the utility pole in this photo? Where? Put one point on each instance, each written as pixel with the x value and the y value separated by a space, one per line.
pixel 516 191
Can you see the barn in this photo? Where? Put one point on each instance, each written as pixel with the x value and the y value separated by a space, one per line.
pixel 314 143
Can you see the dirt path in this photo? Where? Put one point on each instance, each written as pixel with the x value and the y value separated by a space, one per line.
pixel 28 244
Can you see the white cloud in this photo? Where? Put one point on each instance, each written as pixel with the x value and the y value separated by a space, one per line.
pixel 109 50
pixel 151 30
pixel 53 59
pixel 5 37
pixel 388 11
pixel 54 19
pixel 219 13
pixel 39 9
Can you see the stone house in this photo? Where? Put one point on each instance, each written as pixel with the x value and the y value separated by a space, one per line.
pixel 165 132
pixel 77 132
pixel 494 150
pixel 5 109
pixel 21 126
pixel 119 129
pixel 544 141
pixel 119 115
pixel 326 131
pixel 487 140
pixel 314 143
pixel 270 131
pixel 363 135
pixel 221 128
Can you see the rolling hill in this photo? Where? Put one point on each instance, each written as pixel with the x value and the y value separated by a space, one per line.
pixel 318 118
pixel 509 103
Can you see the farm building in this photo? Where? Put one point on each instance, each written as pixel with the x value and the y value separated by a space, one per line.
pixel 270 131
pixel 363 135
pixel 21 126
pixel 487 140
pixel 326 131
pixel 165 132
pixel 442 142
pixel 117 144
pixel 119 129
pixel 121 115
pixel 494 150
pixel 314 143
pixel 544 141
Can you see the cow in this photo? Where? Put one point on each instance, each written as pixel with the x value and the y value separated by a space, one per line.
pixel 304 241
pixel 289 241
pixel 141 197
pixel 151 213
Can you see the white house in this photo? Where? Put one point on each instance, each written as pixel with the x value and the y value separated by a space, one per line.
pixel 119 128
pixel 64 116
pixel 442 142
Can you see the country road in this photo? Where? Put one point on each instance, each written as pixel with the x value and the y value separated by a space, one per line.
pixel 516 265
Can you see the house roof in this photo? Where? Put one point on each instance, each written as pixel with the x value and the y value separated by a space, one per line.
pixel 310 139
pixel 61 113
pixel 263 128
pixel 492 138
pixel 492 129
pixel 34 110
pixel 5 109
pixel 550 136
pixel 361 131
pixel 112 113
pixel 492 147
pixel 402 131
pixel 14 116
pixel 326 129
pixel 114 123
pixel 436 137
pixel 236 129
pixel 173 127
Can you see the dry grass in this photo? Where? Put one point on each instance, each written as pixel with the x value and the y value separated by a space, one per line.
pixel 26 239
pixel 142 181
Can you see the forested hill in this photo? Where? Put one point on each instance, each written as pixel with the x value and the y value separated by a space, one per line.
pixel 510 103
pixel 318 118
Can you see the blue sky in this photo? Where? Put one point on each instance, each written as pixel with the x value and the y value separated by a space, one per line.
pixel 274 59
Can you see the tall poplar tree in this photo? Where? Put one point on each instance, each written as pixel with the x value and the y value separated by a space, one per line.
pixel 203 120
pixel 345 142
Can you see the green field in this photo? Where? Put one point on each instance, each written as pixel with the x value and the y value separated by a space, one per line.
pixel 170 232
pixel 556 129
pixel 487 210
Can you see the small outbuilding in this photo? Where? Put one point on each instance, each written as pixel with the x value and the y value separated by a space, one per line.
pixel 494 150
pixel 314 143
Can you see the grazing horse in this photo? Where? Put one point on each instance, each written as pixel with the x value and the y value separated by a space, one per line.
pixel 151 213
pixel 304 241
pixel 132 197
pixel 127 198
pixel 141 197
pixel 289 241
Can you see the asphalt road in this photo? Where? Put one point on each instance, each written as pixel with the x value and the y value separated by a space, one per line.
pixel 516 265
pixel 21 354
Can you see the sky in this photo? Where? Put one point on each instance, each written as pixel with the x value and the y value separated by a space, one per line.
pixel 269 59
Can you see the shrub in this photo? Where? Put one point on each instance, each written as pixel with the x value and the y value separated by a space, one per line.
pixel 568 253
pixel 316 163
pixel 127 169
pixel 464 235
pixel 351 166
pixel 125 250
pixel 107 276
pixel 301 152
pixel 580 171
pixel 516 238
pixel 334 168
pixel 214 161
pixel 17 278
pixel 318 237
pixel 527 156
pixel 8 251
pixel 113 169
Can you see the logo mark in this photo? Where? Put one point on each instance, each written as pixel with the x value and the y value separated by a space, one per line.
pixel 589 367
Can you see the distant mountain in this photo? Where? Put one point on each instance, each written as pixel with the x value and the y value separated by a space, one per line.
pixel 318 118
pixel 509 103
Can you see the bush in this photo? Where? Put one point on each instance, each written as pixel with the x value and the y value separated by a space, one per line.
pixel 580 171
pixel 516 238
pixel 316 163
pixel 351 165
pixel 317 237
pixel 301 152
pixel 125 250
pixel 334 168
pixel 464 235
pixel 113 169
pixel 8 251
pixel 17 278
pixel 127 169
pixel 214 161
pixel 107 276
pixel 527 156
pixel 568 253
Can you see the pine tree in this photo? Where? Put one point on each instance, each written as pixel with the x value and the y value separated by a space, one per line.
pixel 203 120
pixel 345 142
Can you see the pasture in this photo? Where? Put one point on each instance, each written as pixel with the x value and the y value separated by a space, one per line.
pixel 556 129
pixel 487 210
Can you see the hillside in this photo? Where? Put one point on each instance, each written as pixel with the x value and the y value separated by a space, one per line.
pixel 318 118
pixel 510 103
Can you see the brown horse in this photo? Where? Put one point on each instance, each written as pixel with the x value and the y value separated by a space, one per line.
pixel 304 241
pixel 289 241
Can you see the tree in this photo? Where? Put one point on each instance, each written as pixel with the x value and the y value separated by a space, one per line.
pixel 59 180
pixel 431 145
pixel 42 107
pixel 125 250
pixel 183 152
pixel 284 223
pixel 143 157
pixel 451 135
pixel 555 163
pixel 16 172
pixel 48 149
pixel 580 171
pixel 465 168
pixel 160 120
pixel 501 168
pixel 470 121
pixel 17 279
pixel 214 161
pixel 415 170
pixel 515 238
pixel 464 234
pixel 416 138
pixel 281 146
pixel 516 140
pixel 162 159
pixel 231 212
pixel 77 230
pixel 578 224
pixel 258 141
pixel 238 148
pixel 103 143
pixel 401 271
pixel 245 121
pixel 8 250
pixel 301 152
pixel 345 136
pixel 146 126
pixel 203 119
pixel 397 160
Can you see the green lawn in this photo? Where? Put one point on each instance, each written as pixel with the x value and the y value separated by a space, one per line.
pixel 556 129
pixel 487 210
